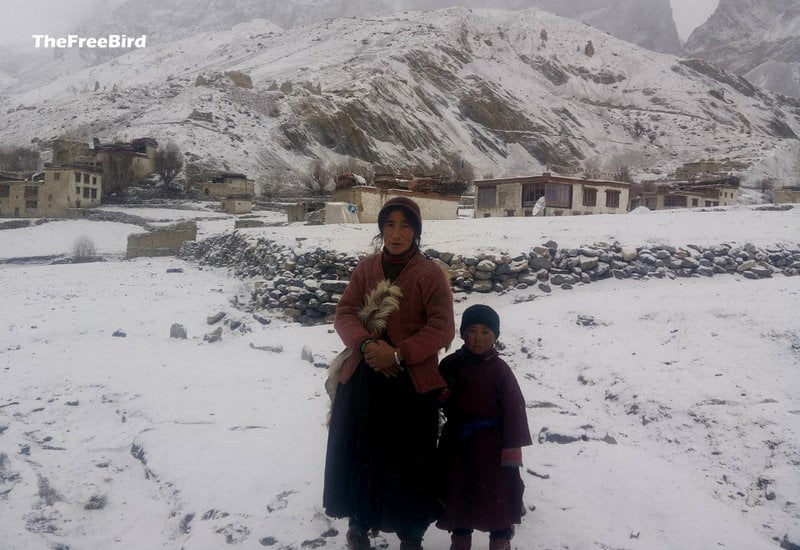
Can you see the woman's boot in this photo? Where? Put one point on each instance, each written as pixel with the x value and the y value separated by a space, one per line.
pixel 357 539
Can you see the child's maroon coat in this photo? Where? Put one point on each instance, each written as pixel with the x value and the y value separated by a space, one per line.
pixel 485 414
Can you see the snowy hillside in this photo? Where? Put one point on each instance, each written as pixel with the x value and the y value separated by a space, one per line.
pixel 664 412
pixel 759 40
pixel 510 92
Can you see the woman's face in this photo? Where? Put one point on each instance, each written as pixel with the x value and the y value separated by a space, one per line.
pixel 398 233
pixel 479 339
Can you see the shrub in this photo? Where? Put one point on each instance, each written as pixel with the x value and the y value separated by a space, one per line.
pixel 83 249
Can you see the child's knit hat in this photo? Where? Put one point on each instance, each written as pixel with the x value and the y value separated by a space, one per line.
pixel 480 314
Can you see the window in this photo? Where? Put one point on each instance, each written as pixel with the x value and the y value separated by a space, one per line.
pixel 612 199
pixel 77 190
pixel 528 213
pixel 77 177
pixel 487 215
pixel 487 197
pixel 86 191
pixel 558 195
pixel 708 203
pixel 31 192
pixel 86 178
pixel 510 213
pixel 94 180
pixel 589 197
pixel 5 190
pixel 94 193
pixel 531 193
pixel 695 202
pixel 31 205
pixel 56 176
pixel 674 201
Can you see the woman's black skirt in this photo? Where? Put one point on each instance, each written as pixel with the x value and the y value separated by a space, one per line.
pixel 379 466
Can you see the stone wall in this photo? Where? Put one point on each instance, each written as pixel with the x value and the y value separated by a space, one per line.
pixel 306 286
pixel 161 242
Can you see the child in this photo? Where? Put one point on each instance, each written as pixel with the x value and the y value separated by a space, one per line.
pixel 480 451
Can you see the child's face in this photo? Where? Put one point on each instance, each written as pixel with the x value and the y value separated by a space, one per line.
pixel 479 339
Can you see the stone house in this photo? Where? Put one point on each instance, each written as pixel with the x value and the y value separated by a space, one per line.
pixel 692 170
pixel 564 196
pixel 722 191
pixel 237 206
pixel 783 195
pixel 139 154
pixel 227 185
pixel 51 193
pixel 369 200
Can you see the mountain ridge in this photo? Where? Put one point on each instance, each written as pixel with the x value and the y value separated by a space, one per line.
pixel 510 92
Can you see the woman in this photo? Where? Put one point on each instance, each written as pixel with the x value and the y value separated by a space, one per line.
pixel 379 466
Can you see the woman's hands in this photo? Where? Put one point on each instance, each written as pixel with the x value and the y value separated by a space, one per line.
pixel 380 356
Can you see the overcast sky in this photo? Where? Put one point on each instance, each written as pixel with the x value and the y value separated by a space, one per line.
pixel 19 19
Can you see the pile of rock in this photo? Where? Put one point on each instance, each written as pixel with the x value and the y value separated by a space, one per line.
pixel 306 286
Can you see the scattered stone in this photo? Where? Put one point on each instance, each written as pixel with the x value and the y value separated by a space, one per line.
pixel 69 403
pixel 97 502
pixel 307 355
pixel 268 541
pixel 586 321
pixel 177 331
pixel 261 319
pixel 174 270
pixel 216 318
pixel 215 336
pixel 273 349
pixel 119 333
pixel 544 287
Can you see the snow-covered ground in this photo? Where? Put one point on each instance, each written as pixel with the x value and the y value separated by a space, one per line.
pixel 672 422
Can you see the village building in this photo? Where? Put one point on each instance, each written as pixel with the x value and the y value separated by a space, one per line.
pixel 237 206
pixel 660 195
pixel 699 169
pixel 563 196
pixel 227 185
pixel 51 193
pixel 139 155
pixel 785 195
pixel 368 201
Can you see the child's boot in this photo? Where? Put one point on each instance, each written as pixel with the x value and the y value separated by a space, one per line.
pixel 499 544
pixel 461 541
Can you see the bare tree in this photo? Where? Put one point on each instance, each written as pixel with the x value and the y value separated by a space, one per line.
pixel 767 186
pixel 120 175
pixel 591 168
pixel 19 159
pixel 169 163
pixel 272 183
pixel 319 179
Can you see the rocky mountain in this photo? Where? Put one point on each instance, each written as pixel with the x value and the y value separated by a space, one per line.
pixel 648 23
pixel 509 92
pixel 759 39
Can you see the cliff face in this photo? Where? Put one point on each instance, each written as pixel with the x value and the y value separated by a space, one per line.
pixel 759 39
